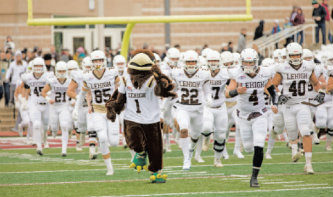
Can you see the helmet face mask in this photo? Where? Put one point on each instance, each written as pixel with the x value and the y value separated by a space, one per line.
pixel 294 54
pixel 228 59
pixel 61 70
pixel 98 60
pixel 173 56
pixel 249 61
pixel 213 64
pixel 191 60
pixel 38 65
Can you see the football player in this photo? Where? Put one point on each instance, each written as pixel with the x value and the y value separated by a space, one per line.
pixel 100 82
pixel 58 103
pixel 295 76
pixel 193 90
pixel 33 84
pixel 250 84
pixel 215 112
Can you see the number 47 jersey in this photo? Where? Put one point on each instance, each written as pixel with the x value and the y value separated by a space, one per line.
pixel 295 82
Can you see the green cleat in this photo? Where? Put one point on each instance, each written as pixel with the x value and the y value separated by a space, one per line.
pixel 139 161
pixel 158 178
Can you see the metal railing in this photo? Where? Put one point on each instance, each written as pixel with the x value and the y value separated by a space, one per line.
pixel 266 44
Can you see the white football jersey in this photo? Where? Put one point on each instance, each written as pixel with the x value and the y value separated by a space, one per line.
pixel 36 86
pixel 142 105
pixel 254 99
pixel 58 90
pixel 232 73
pixel 318 71
pixel 166 69
pixel 101 88
pixel 191 90
pixel 295 82
pixel 217 84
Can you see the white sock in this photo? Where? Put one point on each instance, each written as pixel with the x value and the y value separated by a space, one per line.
pixel 293 149
pixel 37 136
pixel 286 139
pixel 108 164
pixel 64 140
pixel 237 140
pixel 225 151
pixel 218 155
pixel 308 158
pixel 185 145
pixel 270 144
pixel 198 148
pixel 328 140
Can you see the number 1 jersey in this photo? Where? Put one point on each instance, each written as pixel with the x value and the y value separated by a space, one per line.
pixel 142 105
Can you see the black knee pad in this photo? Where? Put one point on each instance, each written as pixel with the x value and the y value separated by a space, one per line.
pixel 219 147
pixel 92 134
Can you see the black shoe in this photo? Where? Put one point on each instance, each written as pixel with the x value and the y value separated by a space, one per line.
pixel 254 182
pixel 64 155
pixel 39 152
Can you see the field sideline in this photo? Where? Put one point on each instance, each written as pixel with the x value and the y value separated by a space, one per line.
pixel 23 173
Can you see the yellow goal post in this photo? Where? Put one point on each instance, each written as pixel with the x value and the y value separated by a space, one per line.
pixel 132 20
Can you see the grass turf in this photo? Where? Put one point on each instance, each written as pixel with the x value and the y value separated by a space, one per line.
pixel 23 173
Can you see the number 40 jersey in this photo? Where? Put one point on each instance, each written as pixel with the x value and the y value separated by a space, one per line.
pixel 295 82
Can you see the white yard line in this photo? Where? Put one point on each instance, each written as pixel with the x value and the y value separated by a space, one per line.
pixel 305 185
pixel 225 192
pixel 167 169
pixel 145 180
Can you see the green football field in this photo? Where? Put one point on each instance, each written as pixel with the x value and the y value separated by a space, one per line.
pixel 23 173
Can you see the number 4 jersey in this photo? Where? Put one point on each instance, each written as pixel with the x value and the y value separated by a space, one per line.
pixel 101 88
pixel 295 82
pixel 253 100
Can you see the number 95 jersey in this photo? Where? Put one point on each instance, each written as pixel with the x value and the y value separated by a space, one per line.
pixel 253 100
pixel 191 89
pixel 101 88
pixel 295 82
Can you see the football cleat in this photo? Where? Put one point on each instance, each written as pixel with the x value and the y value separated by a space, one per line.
pixel 92 153
pixel 158 178
pixel 328 148
pixel 39 152
pixel 218 163
pixel 308 169
pixel 63 154
pixel 187 164
pixel 239 155
pixel 296 157
pixel 109 172
pixel 225 154
pixel 139 162
pixel 254 182
pixel 199 159
pixel 268 156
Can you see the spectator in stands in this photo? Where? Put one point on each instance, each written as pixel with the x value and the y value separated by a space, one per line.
pixel 327 18
pixel 230 46
pixel 9 44
pixel 299 20
pixel 65 56
pixel 293 13
pixel 3 70
pixel 241 40
pixel 319 14
pixel 224 47
pixel 48 58
pixel 287 24
pixel 55 55
pixel 16 69
pixel 276 29
pixel 259 32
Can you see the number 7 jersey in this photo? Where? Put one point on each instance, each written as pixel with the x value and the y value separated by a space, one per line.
pixel 295 82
